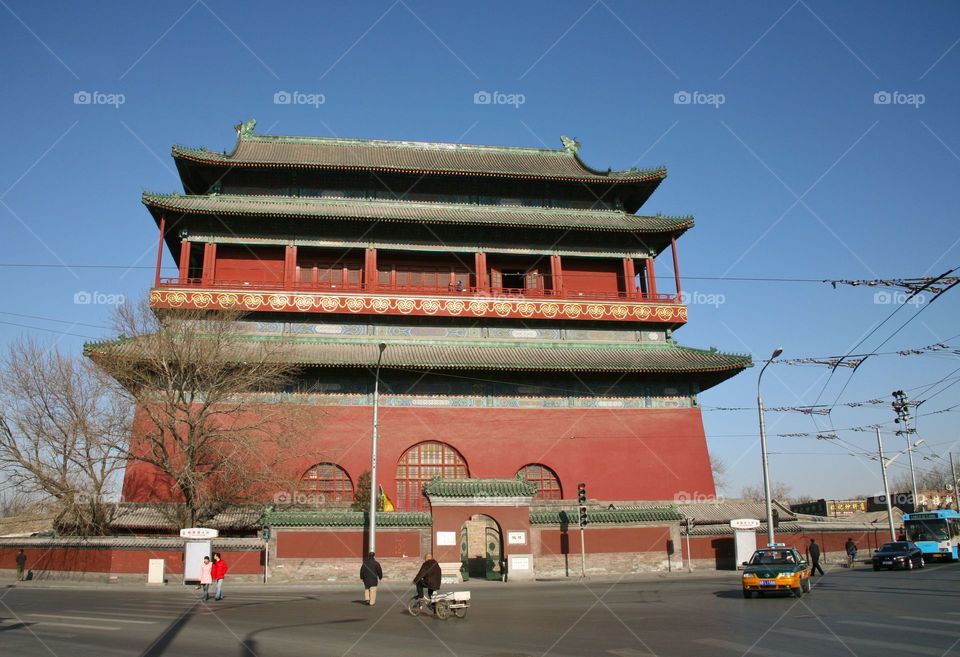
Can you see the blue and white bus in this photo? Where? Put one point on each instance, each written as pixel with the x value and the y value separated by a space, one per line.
pixel 936 533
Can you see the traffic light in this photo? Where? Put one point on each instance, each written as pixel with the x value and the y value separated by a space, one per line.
pixel 583 516
pixel 581 493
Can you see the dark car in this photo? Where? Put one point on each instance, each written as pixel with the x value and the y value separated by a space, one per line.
pixel 902 554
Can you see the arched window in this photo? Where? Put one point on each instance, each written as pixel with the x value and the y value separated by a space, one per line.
pixel 419 465
pixel 545 479
pixel 323 484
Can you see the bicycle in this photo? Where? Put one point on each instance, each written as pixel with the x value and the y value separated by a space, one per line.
pixel 441 604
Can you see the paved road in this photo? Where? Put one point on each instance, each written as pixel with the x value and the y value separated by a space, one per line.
pixel 848 613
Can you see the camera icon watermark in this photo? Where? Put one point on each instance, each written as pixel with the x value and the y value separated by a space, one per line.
pixel 300 498
pixel 99 98
pixel 499 98
pixel 695 497
pixel 899 98
pixel 714 100
pixel 299 98
pixel 897 297
pixel 694 298
pixel 84 298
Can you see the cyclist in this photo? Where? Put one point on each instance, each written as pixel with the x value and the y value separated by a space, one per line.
pixel 428 577
pixel 851 553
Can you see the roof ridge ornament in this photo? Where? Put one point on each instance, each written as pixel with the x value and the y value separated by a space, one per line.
pixel 570 145
pixel 245 128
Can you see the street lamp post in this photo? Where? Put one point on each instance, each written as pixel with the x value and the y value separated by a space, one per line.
pixel 886 487
pixel 763 449
pixel 373 453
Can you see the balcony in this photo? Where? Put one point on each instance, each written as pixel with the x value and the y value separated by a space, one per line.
pixel 433 295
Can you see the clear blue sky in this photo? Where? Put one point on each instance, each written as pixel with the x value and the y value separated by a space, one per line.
pixel 784 109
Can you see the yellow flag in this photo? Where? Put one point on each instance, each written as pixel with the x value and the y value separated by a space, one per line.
pixel 385 501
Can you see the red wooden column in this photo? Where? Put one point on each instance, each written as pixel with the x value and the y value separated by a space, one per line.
pixel 556 275
pixel 163 229
pixel 370 269
pixel 651 279
pixel 290 266
pixel 629 277
pixel 184 261
pixel 480 267
pixel 209 263
pixel 676 265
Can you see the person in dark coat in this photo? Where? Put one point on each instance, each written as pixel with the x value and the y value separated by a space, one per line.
pixel 371 574
pixel 428 577
pixel 813 551
pixel 21 565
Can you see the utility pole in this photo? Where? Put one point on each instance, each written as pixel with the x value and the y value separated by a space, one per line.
pixel 901 407
pixel 886 488
pixel 953 475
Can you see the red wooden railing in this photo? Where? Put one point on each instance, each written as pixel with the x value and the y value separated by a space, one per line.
pixel 428 290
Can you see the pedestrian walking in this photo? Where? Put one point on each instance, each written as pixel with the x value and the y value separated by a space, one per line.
pixel 21 565
pixel 206 577
pixel 851 553
pixel 371 574
pixel 813 553
pixel 218 571
pixel 428 577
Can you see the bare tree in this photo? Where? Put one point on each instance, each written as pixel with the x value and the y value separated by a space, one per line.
pixel 719 468
pixel 63 434
pixel 779 491
pixel 206 420
pixel 937 478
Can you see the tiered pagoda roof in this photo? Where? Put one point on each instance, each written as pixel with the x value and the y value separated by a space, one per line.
pixel 555 356
pixel 267 151
pixel 413 212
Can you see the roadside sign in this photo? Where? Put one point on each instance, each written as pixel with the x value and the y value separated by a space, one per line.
pixel 744 523
pixel 199 533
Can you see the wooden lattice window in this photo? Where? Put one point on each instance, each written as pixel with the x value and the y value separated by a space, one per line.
pixel 545 479
pixel 419 465
pixel 323 484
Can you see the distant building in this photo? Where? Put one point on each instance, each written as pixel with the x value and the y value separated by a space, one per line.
pixel 830 508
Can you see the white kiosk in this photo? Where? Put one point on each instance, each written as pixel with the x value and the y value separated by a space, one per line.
pixel 195 548
pixel 744 538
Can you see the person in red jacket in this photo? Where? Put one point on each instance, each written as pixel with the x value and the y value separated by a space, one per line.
pixel 218 572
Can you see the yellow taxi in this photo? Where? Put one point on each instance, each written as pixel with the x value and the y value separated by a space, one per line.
pixel 776 568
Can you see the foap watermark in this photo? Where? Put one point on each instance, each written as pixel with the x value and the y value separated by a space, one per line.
pixel 499 98
pixel 899 98
pixel 693 497
pixel 897 297
pixel 99 98
pixel 300 497
pixel 298 98
pixel 699 98
pixel 694 298
pixel 84 298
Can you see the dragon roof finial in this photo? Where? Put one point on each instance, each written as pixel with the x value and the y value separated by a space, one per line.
pixel 570 145
pixel 245 129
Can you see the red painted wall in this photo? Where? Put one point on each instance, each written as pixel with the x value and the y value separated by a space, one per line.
pixel 318 544
pixel 120 560
pixel 599 540
pixel 622 454
pixel 592 275
pixel 238 263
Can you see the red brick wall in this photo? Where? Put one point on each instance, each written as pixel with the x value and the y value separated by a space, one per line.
pixel 627 454
pixel 720 549
pixel 321 544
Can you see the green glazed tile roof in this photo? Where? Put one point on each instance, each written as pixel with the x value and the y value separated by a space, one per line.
pixel 342 519
pixel 480 488
pixel 262 151
pixel 414 212
pixel 479 355
pixel 610 516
